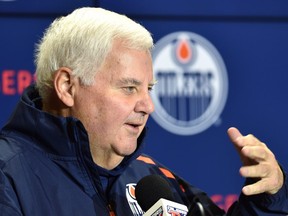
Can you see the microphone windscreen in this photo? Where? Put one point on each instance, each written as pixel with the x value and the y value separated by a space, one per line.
pixel 150 189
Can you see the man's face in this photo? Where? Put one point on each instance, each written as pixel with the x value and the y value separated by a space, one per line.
pixel 115 109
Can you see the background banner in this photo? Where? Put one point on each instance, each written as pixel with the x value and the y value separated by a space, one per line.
pixel 218 65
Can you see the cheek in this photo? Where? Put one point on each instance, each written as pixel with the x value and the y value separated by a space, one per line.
pixel 107 114
pixel 113 114
pixel 112 117
pixel 103 114
pixel 87 111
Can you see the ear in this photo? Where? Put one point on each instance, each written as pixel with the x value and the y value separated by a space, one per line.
pixel 64 84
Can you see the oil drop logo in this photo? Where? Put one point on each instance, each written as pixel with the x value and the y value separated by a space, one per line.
pixel 192 83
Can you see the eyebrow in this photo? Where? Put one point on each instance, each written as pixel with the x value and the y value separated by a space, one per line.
pixel 132 81
pixel 129 81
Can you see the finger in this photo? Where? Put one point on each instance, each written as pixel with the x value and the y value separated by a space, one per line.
pixel 256 188
pixel 257 153
pixel 239 140
pixel 255 171
pixel 253 155
pixel 251 140
pixel 236 138
pixel 267 185
pixel 234 134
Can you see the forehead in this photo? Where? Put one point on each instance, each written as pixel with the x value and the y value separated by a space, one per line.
pixel 127 63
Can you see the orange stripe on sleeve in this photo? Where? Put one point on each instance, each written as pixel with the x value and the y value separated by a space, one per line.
pixel 167 173
pixel 146 159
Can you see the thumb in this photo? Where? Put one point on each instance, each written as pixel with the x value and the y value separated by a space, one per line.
pixel 234 134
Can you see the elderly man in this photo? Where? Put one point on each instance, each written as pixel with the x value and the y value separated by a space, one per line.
pixel 73 146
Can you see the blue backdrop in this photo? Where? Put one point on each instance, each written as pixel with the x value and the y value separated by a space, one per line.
pixel 250 36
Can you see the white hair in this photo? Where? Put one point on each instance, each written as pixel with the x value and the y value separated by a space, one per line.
pixel 81 42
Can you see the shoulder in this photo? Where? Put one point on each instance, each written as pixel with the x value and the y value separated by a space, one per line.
pixel 10 149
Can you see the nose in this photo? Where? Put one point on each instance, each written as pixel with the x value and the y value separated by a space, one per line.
pixel 145 104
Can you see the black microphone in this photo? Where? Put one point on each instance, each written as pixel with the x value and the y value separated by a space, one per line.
pixel 150 189
pixel 155 197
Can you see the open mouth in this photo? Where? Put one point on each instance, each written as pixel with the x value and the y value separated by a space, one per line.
pixel 133 125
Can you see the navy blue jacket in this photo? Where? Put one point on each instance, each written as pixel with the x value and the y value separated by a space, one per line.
pixel 46 168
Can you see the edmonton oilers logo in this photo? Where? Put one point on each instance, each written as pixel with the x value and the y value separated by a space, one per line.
pixel 192 83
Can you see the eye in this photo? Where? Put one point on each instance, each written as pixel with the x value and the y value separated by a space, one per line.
pixel 151 85
pixel 130 89
pixel 150 88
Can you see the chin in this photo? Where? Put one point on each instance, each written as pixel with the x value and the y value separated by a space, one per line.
pixel 130 149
